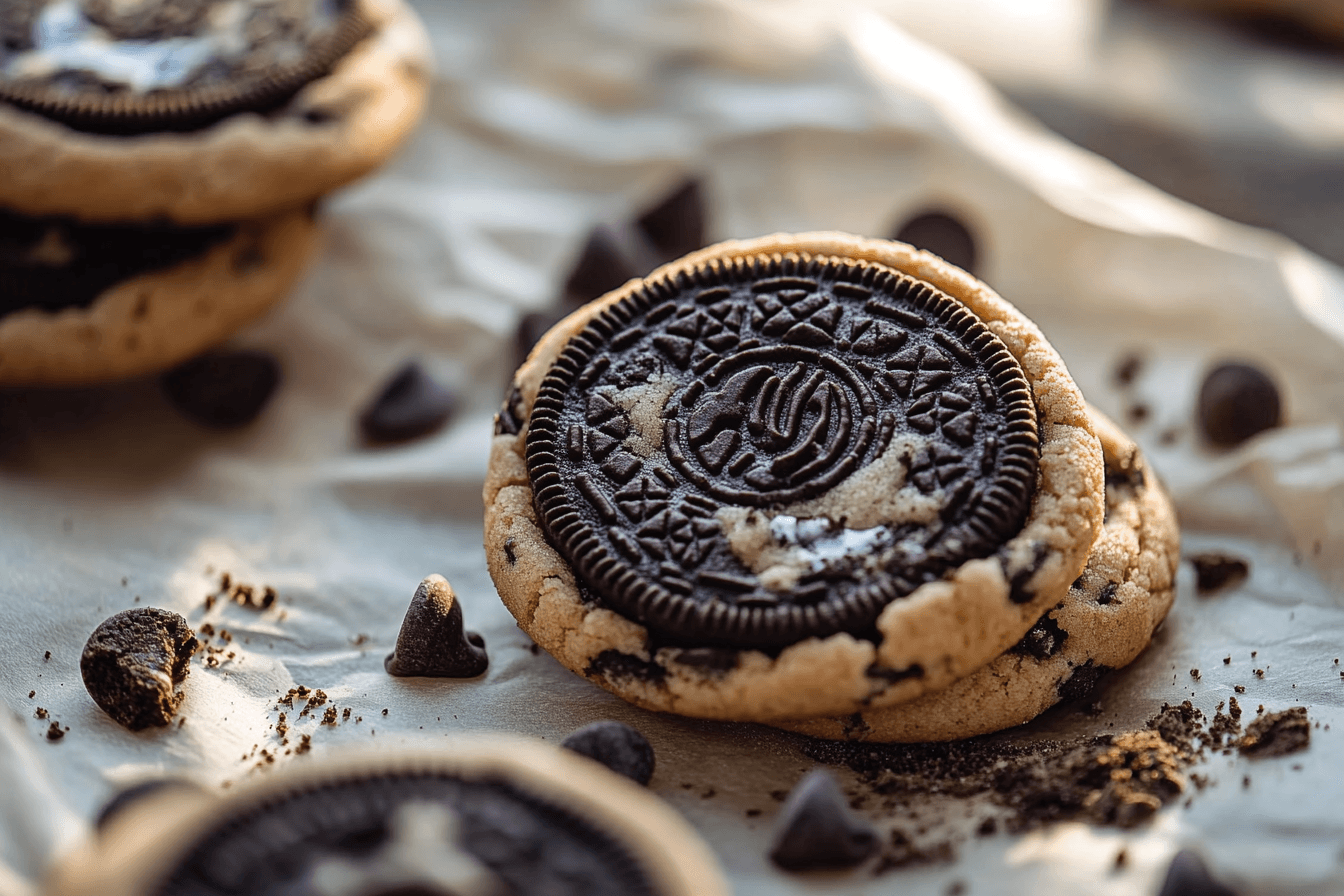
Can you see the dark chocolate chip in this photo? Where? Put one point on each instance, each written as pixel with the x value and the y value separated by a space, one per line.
pixel 222 390
pixel 531 327
pixel 619 747
pixel 1018 579
pixel 817 831
pixel 613 664
pixel 411 405
pixel 943 234
pixel 1043 640
pixel 676 225
pixel 779 378
pixel 133 662
pixel 611 256
pixel 1082 681
pixel 716 659
pixel 1237 401
pixel 1127 370
pixel 432 642
pixel 133 794
pixel 1189 876
pixel 1214 572
pixel 511 417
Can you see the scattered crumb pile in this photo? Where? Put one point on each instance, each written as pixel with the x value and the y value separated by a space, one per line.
pixel 1112 779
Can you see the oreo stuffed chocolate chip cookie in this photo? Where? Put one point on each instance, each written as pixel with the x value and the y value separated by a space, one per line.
pixel 86 303
pixel 200 111
pixel 476 817
pixel 1104 622
pixel 796 476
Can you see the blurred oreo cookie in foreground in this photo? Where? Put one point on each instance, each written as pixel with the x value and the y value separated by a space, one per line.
pixel 478 817
pixel 203 111
pixel 87 303
pixel 783 474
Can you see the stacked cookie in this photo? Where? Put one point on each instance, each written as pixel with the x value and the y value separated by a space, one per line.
pixel 162 159
pixel 827 483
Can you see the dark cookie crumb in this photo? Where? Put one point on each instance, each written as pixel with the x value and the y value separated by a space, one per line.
pixel 619 747
pixel 1214 572
pixel 222 390
pixel 54 731
pixel 412 404
pixel 1127 369
pixel 1236 402
pixel 132 663
pixel 816 829
pixel 1277 734
pixel 432 641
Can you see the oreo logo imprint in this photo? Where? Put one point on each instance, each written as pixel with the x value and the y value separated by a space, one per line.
pixel 688 435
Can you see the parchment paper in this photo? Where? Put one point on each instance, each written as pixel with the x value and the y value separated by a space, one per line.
pixel 550 116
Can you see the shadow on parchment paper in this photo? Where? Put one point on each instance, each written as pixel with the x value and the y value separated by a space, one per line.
pixel 120 438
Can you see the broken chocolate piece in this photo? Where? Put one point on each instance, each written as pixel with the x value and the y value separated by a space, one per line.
pixel 411 405
pixel 619 747
pixel 816 829
pixel 1216 571
pixel 1189 876
pixel 132 663
pixel 942 234
pixel 222 390
pixel 432 641
pixel 531 327
pixel 1237 401
pixel 676 225
pixel 611 256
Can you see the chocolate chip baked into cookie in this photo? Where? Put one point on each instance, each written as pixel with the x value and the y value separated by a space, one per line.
pixel 480 816
pixel 796 476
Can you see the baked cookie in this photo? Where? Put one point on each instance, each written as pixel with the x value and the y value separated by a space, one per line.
pixel 200 111
pixel 484 816
pixel 794 476
pixel 1105 621
pixel 86 303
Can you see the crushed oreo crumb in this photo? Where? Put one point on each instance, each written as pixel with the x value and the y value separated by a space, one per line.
pixel 619 747
pixel 1277 734
pixel 133 662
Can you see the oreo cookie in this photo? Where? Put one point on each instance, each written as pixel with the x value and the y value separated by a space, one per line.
pixel 176 65
pixel 751 452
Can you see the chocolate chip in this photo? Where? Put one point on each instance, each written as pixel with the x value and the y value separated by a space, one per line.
pixel 432 642
pixel 676 225
pixel 816 829
pixel 411 405
pixel 611 255
pixel 1237 401
pixel 1082 681
pixel 222 390
pixel 1189 876
pixel 1217 571
pixel 1043 640
pixel 619 747
pixel 133 794
pixel 133 661
pixel 942 234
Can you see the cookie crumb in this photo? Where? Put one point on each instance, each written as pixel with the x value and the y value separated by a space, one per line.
pixel 54 732
pixel 1277 734
pixel 1215 572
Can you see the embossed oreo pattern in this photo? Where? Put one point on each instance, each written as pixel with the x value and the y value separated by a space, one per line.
pixel 774 380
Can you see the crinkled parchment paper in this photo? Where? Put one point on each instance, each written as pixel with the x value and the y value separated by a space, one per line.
pixel 550 116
